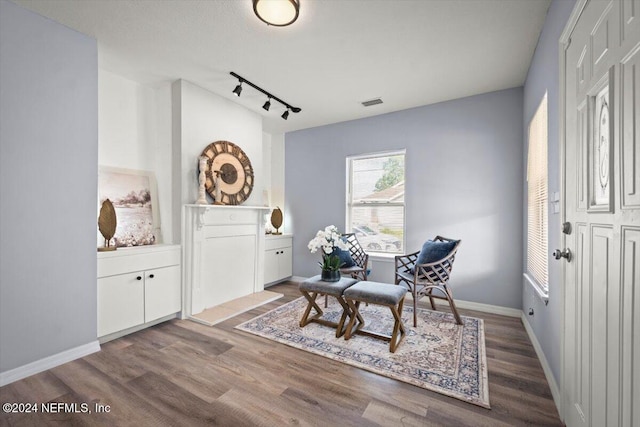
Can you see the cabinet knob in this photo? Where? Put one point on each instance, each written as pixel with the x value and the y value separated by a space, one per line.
pixel 139 278
pixel 151 276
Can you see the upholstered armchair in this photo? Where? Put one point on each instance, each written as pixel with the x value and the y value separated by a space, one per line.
pixel 427 272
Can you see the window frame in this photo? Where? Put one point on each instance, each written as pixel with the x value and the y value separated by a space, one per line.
pixel 349 205
pixel 537 264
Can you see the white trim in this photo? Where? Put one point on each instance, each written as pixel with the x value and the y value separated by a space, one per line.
pixel 298 278
pixel 349 189
pixel 485 308
pixel 119 334
pixel 382 257
pixel 563 44
pixel 548 373
pixel 542 293
pixel 50 362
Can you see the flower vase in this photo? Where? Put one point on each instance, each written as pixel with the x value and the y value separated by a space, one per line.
pixel 330 275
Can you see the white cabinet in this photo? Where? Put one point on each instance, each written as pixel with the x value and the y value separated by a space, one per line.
pixel 137 286
pixel 161 292
pixel 278 263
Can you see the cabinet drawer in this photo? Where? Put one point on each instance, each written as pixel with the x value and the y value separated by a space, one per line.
pixel 277 242
pixel 134 259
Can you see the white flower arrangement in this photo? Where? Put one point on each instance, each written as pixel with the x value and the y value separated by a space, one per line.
pixel 327 240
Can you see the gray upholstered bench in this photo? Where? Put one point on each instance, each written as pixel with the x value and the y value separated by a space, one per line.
pixel 315 286
pixel 391 296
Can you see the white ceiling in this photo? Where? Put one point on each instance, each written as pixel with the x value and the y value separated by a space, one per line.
pixel 338 54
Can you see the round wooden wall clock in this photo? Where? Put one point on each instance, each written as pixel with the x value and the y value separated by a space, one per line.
pixel 232 167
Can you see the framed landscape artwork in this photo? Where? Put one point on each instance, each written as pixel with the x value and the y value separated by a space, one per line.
pixel 134 197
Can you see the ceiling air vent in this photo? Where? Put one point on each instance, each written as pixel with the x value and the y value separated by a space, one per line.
pixel 371 102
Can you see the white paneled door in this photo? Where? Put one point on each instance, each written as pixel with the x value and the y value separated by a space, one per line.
pixel 601 381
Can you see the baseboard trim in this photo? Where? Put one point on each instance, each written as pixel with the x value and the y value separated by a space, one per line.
pixel 485 308
pixel 298 278
pixel 553 385
pixel 38 366
pixel 119 334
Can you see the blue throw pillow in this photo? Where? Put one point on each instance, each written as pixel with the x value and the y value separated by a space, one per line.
pixel 434 251
pixel 345 257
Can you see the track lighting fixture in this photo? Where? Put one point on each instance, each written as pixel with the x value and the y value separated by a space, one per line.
pixel 267 105
pixel 238 90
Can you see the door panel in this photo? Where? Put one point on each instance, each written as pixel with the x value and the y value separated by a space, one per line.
pixel 602 201
pixel 630 12
pixel 631 126
pixel 630 331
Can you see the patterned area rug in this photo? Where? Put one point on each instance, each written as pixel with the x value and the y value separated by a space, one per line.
pixel 438 355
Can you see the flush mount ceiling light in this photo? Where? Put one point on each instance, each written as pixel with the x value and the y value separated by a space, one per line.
pixel 267 105
pixel 279 13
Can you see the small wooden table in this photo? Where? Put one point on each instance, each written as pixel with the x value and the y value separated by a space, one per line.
pixel 315 286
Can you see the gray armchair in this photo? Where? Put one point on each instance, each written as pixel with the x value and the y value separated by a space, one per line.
pixel 425 278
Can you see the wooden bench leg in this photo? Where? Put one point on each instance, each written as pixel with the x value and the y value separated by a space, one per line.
pixel 398 327
pixel 312 304
pixel 346 311
pixel 340 326
pixel 396 337
pixel 355 315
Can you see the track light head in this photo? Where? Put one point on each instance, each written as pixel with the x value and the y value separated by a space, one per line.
pixel 285 115
pixel 238 90
pixel 267 105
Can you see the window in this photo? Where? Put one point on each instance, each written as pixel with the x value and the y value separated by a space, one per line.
pixel 375 201
pixel 537 210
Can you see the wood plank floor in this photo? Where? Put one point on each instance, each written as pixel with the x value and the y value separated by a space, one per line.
pixel 183 373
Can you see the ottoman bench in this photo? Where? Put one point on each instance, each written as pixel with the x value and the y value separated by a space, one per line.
pixel 375 293
pixel 314 286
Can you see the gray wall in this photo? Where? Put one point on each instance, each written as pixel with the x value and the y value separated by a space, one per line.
pixel 464 180
pixel 48 187
pixel 543 77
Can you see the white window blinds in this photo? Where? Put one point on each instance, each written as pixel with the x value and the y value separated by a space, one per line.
pixel 537 213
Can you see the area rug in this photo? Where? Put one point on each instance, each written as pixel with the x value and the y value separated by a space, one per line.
pixel 437 355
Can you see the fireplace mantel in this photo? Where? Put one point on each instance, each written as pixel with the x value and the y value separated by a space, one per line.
pixel 223 254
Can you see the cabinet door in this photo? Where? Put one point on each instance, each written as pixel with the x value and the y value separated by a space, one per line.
pixel 285 262
pixel 161 292
pixel 271 265
pixel 120 302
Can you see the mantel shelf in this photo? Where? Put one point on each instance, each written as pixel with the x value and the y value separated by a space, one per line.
pixel 267 208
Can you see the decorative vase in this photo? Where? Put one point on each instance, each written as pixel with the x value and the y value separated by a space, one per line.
pixel 276 219
pixel 202 177
pixel 330 275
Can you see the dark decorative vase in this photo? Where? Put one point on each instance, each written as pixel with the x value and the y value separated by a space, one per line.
pixel 330 276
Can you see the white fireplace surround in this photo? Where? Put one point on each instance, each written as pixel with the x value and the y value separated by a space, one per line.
pixel 223 254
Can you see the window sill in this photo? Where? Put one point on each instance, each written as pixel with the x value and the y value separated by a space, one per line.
pixel 542 293
pixel 382 257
